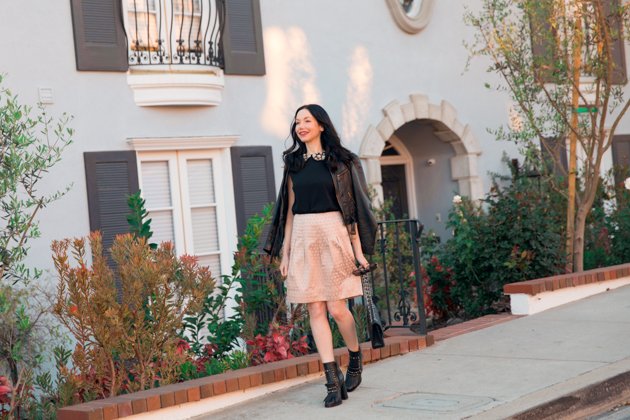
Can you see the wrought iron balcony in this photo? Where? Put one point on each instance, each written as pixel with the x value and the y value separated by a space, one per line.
pixel 175 32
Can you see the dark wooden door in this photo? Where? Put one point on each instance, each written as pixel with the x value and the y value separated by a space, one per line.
pixel 395 187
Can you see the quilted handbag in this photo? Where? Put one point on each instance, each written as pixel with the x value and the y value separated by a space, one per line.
pixel 373 317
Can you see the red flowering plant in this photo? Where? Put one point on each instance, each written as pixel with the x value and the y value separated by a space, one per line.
pixel 5 396
pixel 276 345
pixel 13 398
pixel 437 281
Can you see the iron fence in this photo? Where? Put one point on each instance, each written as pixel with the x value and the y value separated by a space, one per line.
pixel 398 280
pixel 171 32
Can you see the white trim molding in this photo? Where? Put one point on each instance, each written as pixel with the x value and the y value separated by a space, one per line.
pixel 404 159
pixel 152 88
pixel 448 129
pixel 182 143
pixel 411 24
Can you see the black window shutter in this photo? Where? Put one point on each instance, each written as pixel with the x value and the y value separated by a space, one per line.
pixel 621 153
pixel 549 161
pixel 543 37
pixel 99 37
pixel 620 75
pixel 254 184
pixel 110 176
pixel 242 38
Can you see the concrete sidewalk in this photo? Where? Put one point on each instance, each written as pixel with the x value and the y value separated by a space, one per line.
pixel 488 374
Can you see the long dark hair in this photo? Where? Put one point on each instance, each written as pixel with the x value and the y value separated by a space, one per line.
pixel 331 143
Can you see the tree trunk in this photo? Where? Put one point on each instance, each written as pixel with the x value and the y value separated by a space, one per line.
pixel 578 236
pixel 13 368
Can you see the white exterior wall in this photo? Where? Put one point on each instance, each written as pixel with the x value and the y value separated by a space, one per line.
pixel 310 48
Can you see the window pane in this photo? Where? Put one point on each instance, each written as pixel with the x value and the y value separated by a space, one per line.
pixel 156 189
pixel 162 226
pixel 186 6
pixel 141 5
pixel 143 28
pixel 200 182
pixel 187 20
pixel 204 228
pixel 213 262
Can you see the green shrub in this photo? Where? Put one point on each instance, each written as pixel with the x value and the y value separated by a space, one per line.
pixel 514 239
pixel 608 226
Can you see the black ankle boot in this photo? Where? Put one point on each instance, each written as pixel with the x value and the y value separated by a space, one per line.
pixel 335 385
pixel 355 367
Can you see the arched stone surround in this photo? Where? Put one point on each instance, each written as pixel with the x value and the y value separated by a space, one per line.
pixel 448 129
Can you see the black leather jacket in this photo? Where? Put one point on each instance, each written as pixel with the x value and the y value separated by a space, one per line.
pixel 356 207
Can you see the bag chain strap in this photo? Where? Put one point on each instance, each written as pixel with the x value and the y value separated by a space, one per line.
pixel 367 293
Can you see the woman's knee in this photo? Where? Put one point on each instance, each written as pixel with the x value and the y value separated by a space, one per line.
pixel 317 309
pixel 338 310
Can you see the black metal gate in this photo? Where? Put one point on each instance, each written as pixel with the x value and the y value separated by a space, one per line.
pixel 393 283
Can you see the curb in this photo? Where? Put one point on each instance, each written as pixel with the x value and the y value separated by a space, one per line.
pixel 239 380
pixel 584 402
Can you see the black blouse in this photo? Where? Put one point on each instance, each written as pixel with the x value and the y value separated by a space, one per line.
pixel 314 189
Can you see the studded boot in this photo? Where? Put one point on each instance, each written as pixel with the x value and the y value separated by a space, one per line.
pixel 335 385
pixel 355 367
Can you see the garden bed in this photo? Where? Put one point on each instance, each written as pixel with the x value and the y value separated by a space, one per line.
pixel 199 395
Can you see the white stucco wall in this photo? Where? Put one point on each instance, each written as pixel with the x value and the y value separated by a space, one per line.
pixel 311 49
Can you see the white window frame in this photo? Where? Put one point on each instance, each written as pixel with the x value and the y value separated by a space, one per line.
pixel 182 217
pixel 219 204
pixel 165 148
pixel 171 159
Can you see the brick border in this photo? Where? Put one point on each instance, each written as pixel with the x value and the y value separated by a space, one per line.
pixel 238 380
pixel 549 284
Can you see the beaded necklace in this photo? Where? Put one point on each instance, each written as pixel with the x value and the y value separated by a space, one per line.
pixel 315 156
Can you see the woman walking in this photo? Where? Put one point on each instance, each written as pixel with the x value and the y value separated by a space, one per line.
pixel 322 214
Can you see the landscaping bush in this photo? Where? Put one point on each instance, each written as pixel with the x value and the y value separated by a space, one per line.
pixel 608 233
pixel 276 345
pixel 514 234
pixel 438 282
pixel 512 240
pixel 126 338
pixel 30 146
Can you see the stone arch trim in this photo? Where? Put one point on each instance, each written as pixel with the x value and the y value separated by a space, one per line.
pixel 447 128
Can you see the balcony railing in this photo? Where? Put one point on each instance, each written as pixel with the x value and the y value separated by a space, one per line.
pixel 175 32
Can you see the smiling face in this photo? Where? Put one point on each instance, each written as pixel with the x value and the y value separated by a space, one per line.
pixel 306 126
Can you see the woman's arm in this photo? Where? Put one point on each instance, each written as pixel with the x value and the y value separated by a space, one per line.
pixel 288 230
pixel 356 244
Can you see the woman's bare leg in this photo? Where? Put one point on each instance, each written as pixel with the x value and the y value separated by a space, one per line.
pixel 321 330
pixel 345 321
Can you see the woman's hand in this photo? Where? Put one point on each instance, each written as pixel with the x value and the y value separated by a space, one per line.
pixel 284 266
pixel 362 261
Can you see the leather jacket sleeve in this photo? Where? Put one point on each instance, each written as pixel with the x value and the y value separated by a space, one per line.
pixel 364 213
pixel 275 237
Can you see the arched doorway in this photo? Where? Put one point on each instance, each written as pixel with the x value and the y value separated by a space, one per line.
pixel 397 179
pixel 416 131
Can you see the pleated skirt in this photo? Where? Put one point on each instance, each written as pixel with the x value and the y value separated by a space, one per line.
pixel 322 260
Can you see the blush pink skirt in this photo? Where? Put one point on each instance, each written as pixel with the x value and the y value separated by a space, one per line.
pixel 322 260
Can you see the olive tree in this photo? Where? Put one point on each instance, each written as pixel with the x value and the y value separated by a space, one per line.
pixel 29 147
pixel 558 61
